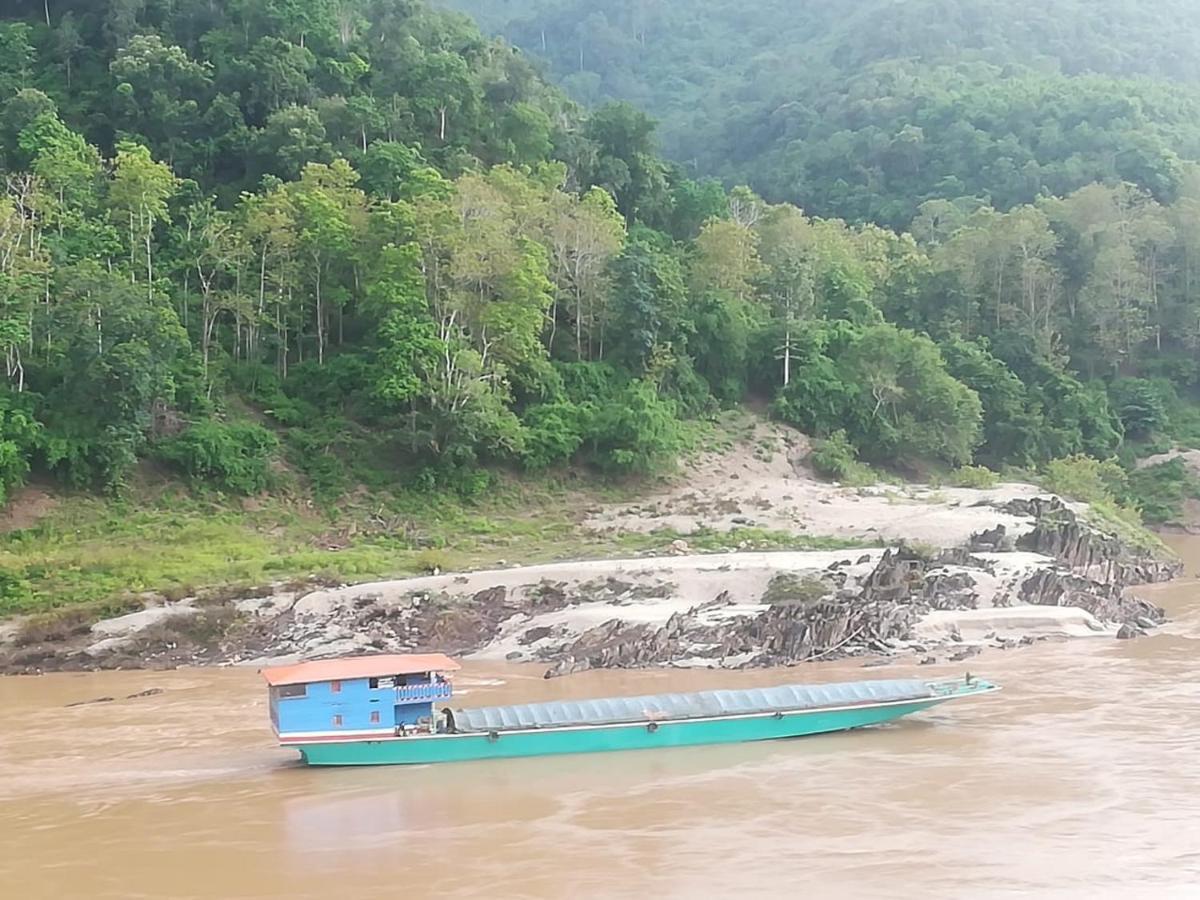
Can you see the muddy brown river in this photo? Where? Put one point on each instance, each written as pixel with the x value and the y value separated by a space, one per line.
pixel 1080 779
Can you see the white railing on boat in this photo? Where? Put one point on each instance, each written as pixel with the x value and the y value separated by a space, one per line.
pixel 412 693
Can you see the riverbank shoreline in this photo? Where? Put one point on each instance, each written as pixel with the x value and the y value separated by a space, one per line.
pixel 916 573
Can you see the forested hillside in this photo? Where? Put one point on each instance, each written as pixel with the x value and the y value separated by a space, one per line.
pixel 327 244
pixel 865 110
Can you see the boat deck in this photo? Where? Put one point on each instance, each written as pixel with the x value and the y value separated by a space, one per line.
pixel 699 705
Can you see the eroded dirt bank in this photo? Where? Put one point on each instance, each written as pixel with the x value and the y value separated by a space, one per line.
pixel 938 575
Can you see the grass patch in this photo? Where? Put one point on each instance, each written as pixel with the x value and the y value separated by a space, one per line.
pixel 1126 525
pixel 91 551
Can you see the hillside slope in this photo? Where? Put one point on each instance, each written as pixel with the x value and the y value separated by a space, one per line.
pixel 865 112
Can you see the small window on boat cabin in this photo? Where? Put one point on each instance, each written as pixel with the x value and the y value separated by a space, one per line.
pixel 293 690
pixel 337 721
pixel 335 687
pixel 374 717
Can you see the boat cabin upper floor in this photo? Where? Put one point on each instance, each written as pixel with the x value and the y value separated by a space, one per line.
pixel 358 697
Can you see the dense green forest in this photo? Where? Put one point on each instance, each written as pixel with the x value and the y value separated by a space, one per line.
pixel 357 236
pixel 863 111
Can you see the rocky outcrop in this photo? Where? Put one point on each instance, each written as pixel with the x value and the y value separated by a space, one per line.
pixel 1107 602
pixel 1085 570
pixel 1060 535
pixel 731 610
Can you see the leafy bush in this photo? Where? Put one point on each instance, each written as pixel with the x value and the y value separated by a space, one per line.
pixel 263 386
pixel 688 391
pixel 974 477
pixel 636 432
pixel 554 433
pixel 589 382
pixel 1141 404
pixel 1086 479
pixel 467 481
pixel 791 590
pixel 432 561
pixel 835 458
pixel 15 592
pixel 345 380
pixel 233 456
pixel 1160 491
pixel 19 436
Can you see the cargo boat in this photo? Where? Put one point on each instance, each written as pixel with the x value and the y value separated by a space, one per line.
pixel 384 710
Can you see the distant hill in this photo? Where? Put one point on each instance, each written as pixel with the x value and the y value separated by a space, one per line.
pixel 865 112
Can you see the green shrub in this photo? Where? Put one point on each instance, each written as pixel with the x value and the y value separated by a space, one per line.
pixel 554 433
pixel 973 477
pixel 636 432
pixel 1086 479
pixel 1141 404
pixel 836 458
pixel 263 385
pixel 589 382
pixel 15 592
pixel 432 562
pixel 233 456
pixel 786 589
pixel 19 436
pixel 467 481
pixel 1159 491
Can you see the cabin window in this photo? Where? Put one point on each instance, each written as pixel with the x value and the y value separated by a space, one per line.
pixel 337 721
pixel 335 687
pixel 375 717
pixel 373 683
pixel 293 690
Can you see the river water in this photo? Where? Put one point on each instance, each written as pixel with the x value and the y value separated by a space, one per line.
pixel 1080 779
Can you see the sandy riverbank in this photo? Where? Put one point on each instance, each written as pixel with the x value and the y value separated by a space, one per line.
pixel 933 573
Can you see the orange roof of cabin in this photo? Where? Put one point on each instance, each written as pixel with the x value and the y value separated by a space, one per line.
pixel 358 667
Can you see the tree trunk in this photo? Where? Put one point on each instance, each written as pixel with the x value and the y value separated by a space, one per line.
pixel 578 327
pixel 787 355
pixel 320 322
pixel 149 264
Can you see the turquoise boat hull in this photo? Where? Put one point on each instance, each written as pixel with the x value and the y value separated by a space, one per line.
pixel 423 749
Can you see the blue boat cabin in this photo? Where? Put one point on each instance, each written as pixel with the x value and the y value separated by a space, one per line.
pixel 359 697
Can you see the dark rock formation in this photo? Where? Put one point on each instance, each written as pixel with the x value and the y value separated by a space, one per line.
pixel 1093 572
pixel 992 539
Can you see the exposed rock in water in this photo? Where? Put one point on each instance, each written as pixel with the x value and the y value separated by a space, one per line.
pixel 1092 573
pixel 863 605
pixel 1059 535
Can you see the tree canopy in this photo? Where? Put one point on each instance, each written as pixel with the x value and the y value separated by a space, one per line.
pixel 234 231
pixel 863 111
